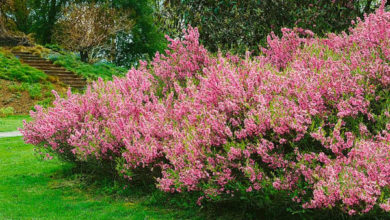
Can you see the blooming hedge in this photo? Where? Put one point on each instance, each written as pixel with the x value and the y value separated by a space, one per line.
pixel 309 117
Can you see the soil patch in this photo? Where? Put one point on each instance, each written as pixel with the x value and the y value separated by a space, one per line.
pixel 21 101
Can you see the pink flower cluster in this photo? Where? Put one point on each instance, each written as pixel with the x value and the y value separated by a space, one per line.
pixel 211 123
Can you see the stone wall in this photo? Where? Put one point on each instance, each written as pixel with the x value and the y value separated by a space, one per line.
pixel 13 41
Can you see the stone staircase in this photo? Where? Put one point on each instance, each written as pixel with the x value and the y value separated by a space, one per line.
pixel 68 78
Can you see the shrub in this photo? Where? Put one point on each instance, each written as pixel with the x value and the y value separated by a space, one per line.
pixel 7 111
pixel 241 25
pixel 308 119
pixel 36 50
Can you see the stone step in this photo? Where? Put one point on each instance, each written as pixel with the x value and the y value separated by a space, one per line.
pixel 37 62
pixel 64 74
pixel 59 74
pixel 23 54
pixel 31 60
pixel 76 86
pixel 54 71
pixel 53 68
pixel 23 57
pixel 70 82
pixel 67 76
pixel 74 82
pixel 40 65
pixel 46 66
pixel 81 80
pixel 70 78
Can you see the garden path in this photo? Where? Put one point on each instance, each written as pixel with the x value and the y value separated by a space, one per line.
pixel 10 134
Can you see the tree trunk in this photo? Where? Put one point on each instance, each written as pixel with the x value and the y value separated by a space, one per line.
pixel 51 20
pixel 84 56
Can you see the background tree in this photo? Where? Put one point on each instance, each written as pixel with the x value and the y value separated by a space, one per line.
pixel 5 6
pixel 9 33
pixel 2 19
pixel 46 13
pixel 40 17
pixel 21 15
pixel 243 24
pixel 33 16
pixel 145 38
pixel 86 26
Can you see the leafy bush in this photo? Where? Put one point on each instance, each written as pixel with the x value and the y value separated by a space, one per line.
pixel 238 25
pixel 89 71
pixel 36 50
pixel 308 121
pixel 11 69
pixel 7 111
pixel 35 90
pixel 54 47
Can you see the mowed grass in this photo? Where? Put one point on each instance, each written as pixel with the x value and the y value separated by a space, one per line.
pixel 12 123
pixel 32 188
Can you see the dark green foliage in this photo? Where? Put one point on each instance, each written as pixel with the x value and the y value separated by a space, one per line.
pixel 21 12
pixel 145 38
pixel 46 14
pixel 54 47
pixel 243 24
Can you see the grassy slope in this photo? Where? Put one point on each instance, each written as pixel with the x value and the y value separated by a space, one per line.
pixel 12 69
pixel 22 86
pixel 32 188
pixel 72 62
pixel 12 123
pixel 90 71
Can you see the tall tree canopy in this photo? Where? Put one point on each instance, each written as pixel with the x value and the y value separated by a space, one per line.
pixel 243 24
pixel 46 14
pixel 145 38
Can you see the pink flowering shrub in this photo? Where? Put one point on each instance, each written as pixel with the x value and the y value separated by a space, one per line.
pixel 309 112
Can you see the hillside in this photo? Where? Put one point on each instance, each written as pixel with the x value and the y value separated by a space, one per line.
pixel 22 86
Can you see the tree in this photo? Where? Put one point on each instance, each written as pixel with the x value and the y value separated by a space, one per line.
pixel 9 34
pixel 33 16
pixel 5 6
pixel 45 15
pixel 144 39
pixel 86 26
pixel 21 15
pixel 2 18
pixel 244 24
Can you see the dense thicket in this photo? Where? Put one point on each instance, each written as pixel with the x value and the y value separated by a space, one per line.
pixel 307 122
pixel 244 24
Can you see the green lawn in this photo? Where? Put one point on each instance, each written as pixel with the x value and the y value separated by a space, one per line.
pixel 12 123
pixel 31 188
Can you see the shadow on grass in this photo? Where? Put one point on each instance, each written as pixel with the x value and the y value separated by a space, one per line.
pixel 52 189
pixel 142 191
